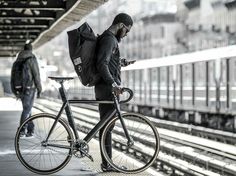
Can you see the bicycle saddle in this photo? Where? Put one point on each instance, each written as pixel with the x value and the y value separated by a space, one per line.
pixel 60 79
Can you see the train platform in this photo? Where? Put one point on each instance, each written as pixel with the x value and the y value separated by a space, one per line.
pixel 10 111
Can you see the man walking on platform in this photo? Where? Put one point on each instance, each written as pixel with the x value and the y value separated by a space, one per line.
pixel 109 67
pixel 25 79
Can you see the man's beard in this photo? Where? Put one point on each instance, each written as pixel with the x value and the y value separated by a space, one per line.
pixel 118 35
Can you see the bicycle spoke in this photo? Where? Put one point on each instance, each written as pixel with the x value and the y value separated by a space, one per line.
pixel 34 156
pixel 132 157
pixel 37 127
pixel 34 152
pixel 30 141
pixel 59 134
pixel 141 133
pixel 30 146
pixel 31 151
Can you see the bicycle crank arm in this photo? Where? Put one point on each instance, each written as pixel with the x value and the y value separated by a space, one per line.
pixel 86 154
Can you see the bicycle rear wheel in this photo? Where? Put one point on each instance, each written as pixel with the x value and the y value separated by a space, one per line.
pixel 36 154
pixel 137 157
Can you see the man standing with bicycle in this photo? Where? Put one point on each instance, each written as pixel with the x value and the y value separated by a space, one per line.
pixel 109 67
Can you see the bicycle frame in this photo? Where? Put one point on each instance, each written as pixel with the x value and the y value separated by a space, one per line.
pixel 97 127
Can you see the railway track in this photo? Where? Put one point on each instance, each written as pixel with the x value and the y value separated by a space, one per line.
pixel 180 153
pixel 193 130
pixel 203 132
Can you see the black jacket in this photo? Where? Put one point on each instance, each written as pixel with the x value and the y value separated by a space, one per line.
pixel 34 68
pixel 107 63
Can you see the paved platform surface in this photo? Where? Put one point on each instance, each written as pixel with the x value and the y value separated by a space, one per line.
pixel 10 111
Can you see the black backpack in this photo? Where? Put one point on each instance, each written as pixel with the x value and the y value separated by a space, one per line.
pixel 82 49
pixel 20 78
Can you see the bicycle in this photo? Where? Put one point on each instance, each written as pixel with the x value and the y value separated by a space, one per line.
pixel 55 140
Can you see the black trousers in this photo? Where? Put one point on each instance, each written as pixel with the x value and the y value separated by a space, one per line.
pixel 27 100
pixel 105 110
pixel 103 92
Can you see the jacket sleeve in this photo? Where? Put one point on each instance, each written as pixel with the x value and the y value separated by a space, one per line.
pixel 12 77
pixel 36 74
pixel 105 48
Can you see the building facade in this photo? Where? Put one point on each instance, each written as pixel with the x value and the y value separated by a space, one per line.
pixel 152 37
pixel 206 23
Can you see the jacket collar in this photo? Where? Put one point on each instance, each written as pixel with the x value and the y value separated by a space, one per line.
pixel 24 55
pixel 111 34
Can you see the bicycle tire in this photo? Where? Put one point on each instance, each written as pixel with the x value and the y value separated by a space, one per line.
pixel 48 155
pixel 139 154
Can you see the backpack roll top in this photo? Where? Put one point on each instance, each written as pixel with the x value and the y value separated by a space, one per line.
pixel 82 49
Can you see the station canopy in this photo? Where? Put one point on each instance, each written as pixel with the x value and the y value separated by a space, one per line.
pixel 38 21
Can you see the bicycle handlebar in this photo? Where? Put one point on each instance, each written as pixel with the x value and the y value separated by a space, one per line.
pixel 131 94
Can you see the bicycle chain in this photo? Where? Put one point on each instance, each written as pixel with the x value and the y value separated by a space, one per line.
pixel 55 149
pixel 74 148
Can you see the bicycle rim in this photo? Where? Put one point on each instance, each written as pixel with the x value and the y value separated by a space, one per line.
pixel 139 156
pixel 37 157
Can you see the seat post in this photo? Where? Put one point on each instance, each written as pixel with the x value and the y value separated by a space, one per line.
pixel 62 92
pixel 68 109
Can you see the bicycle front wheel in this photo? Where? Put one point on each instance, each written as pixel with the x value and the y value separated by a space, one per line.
pixel 38 155
pixel 128 158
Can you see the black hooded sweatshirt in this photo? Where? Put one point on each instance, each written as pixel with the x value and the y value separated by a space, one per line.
pixel 108 64
pixel 34 68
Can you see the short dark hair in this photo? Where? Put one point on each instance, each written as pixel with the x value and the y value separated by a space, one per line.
pixel 123 18
pixel 28 46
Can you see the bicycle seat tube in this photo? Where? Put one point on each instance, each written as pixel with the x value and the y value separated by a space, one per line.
pixel 68 109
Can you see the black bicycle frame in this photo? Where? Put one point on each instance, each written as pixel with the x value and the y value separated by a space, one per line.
pixel 97 127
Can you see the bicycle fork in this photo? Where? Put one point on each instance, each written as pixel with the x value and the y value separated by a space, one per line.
pixel 130 141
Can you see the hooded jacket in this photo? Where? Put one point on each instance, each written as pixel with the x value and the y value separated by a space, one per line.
pixel 108 64
pixel 108 58
pixel 34 75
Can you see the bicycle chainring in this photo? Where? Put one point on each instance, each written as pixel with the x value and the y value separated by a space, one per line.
pixel 81 149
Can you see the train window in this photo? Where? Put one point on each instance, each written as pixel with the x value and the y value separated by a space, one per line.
pixel 187 75
pixel 154 77
pixel 223 68
pixel 177 75
pixel 200 74
pixel 234 72
pixel 170 84
pixel 163 75
pixel 170 74
pixel 211 73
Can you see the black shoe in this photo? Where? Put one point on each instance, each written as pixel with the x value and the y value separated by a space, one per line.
pixel 29 134
pixel 108 168
pixel 22 134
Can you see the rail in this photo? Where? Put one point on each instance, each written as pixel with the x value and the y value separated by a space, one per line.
pixel 170 147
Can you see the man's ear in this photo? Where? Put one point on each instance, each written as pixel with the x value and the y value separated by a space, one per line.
pixel 121 25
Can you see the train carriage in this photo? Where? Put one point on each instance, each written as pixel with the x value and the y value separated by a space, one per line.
pixel 196 88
